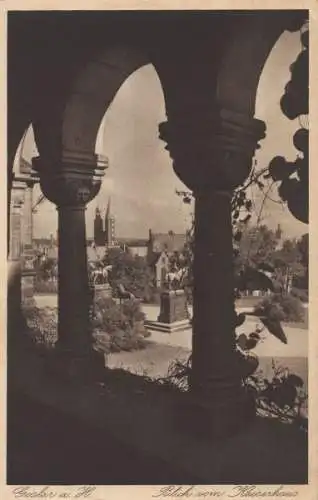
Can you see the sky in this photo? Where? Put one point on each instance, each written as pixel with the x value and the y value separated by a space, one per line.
pixel 140 179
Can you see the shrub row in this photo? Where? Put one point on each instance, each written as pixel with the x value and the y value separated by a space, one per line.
pixel 44 286
pixel 280 307
pixel 115 327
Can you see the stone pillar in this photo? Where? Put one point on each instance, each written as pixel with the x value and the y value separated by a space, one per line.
pixel 28 272
pixel 16 212
pixel 71 187
pixel 14 260
pixel 212 157
pixel 27 219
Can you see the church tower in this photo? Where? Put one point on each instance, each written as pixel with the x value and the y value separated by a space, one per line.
pixel 109 227
pixel 99 237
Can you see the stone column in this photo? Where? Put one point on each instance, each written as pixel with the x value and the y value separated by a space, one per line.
pixel 213 155
pixel 28 272
pixel 71 187
pixel 16 212
pixel 27 220
pixel 14 258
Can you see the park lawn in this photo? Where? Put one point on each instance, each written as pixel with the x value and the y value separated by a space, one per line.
pixel 155 359
pixel 251 301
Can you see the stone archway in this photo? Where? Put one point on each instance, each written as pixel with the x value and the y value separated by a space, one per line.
pixel 212 136
pixel 70 176
pixel 20 230
pixel 212 148
pixel 70 131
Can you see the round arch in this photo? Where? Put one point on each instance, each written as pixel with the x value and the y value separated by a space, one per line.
pixel 92 93
pixel 245 59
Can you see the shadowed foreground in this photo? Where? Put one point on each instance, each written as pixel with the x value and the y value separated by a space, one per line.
pixel 48 447
pixel 126 437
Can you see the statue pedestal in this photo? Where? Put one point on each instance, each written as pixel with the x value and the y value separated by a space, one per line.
pixel 173 313
pixel 103 290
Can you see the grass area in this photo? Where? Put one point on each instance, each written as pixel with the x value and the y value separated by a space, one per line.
pixel 247 301
pixel 155 359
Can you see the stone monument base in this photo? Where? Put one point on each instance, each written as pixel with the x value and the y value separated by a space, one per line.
pixel 177 326
pixel 173 315
pixel 103 290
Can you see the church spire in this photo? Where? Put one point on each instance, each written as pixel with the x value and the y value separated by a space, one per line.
pixel 108 209
pixel 109 226
pixel 98 228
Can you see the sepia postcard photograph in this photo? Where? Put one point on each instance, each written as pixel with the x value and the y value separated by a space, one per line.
pixel 158 277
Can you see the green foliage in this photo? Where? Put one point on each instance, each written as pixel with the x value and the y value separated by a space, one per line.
pixel 301 294
pixel 282 396
pixel 118 327
pixel 42 325
pixel 303 247
pixel 130 271
pixel 280 307
pixel 44 286
pixel 46 269
pixel 115 327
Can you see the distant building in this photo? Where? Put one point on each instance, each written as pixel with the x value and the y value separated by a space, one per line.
pixel 95 253
pixel 109 228
pixel 99 234
pixel 46 247
pixel 137 247
pixel 160 247
pixel 104 231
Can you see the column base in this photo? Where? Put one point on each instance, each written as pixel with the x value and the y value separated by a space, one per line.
pixel 209 419
pixel 83 368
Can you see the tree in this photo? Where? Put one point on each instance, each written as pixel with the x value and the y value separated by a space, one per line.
pixel 130 271
pixel 47 269
pixel 303 247
pixel 257 245
pixel 287 263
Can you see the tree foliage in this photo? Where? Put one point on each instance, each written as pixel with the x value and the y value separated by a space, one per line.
pixel 131 271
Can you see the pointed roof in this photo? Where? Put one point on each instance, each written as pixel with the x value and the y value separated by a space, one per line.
pixel 108 209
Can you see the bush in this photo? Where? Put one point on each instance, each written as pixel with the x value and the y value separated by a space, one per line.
pixel 44 286
pixel 300 294
pixel 132 272
pixel 42 325
pixel 115 328
pixel 281 307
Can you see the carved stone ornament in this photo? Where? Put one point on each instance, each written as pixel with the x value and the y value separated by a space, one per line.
pixel 71 185
pixel 68 189
pixel 213 152
pixel 17 194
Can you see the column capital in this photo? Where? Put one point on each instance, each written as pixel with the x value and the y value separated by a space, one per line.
pixel 23 181
pixel 17 193
pixel 71 183
pixel 211 149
